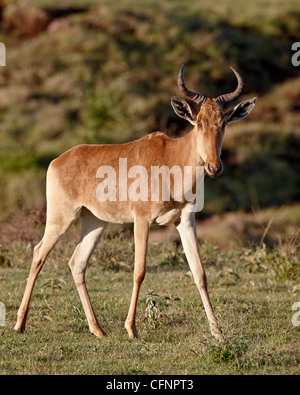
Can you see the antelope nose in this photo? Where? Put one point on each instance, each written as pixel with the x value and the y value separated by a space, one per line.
pixel 215 171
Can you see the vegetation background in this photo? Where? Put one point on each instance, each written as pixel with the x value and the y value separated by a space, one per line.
pixel 103 72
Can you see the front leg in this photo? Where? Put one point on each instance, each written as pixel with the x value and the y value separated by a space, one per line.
pixel 141 232
pixel 187 230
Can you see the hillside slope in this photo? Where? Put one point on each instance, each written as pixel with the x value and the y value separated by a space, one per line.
pixel 105 73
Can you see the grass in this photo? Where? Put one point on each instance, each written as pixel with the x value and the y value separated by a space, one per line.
pixel 252 299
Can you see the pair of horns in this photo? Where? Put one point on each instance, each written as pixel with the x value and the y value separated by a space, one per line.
pixel 200 99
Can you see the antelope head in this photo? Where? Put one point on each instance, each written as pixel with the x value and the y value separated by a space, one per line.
pixel 209 120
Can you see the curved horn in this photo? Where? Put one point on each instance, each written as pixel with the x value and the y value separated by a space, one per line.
pixel 196 97
pixel 227 97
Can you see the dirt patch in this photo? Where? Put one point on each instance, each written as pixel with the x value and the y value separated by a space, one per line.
pixel 237 229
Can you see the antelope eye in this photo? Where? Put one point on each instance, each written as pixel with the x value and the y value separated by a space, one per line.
pixel 200 125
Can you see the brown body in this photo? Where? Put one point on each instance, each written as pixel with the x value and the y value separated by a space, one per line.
pixel 71 194
pixel 78 185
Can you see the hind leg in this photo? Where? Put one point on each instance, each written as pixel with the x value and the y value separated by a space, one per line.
pixel 91 230
pixel 54 230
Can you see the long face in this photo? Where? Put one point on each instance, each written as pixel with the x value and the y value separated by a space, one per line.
pixel 209 130
pixel 209 120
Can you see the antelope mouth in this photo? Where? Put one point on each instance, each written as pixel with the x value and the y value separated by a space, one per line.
pixel 212 171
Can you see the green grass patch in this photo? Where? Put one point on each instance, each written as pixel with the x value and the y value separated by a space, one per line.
pixel 251 298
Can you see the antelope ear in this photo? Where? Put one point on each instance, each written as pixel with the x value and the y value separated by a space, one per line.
pixel 240 111
pixel 183 110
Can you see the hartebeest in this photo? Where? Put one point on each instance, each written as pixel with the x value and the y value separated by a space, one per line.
pixel 73 178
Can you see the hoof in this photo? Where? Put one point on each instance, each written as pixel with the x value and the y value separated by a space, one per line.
pixel 19 330
pixel 132 332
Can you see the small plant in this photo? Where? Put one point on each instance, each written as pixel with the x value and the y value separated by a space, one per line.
pixel 230 352
pixel 152 312
pixel 4 261
pixel 285 264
